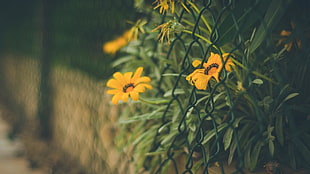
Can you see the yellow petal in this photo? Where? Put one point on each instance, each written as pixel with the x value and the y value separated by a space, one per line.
pixel 142 80
pixel 127 77
pixel 116 98
pixel 141 87
pixel 119 77
pixel 112 83
pixel 137 75
pixel 202 82
pixel 125 97
pixel 114 91
pixel 196 63
pixel 216 76
pixel 134 95
pixel 214 58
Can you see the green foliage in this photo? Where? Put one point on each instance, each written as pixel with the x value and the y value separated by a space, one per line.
pixel 250 117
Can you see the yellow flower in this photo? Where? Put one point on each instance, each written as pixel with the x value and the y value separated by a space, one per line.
pixel 200 77
pixel 163 5
pixel 113 46
pixel 125 85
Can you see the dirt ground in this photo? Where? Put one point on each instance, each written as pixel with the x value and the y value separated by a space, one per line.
pixel 10 160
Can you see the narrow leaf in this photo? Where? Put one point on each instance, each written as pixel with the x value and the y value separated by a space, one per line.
pixel 279 129
pixel 227 138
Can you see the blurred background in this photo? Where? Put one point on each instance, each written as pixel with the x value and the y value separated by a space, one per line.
pixel 52 76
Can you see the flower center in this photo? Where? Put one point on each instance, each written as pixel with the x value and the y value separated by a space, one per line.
pixel 211 69
pixel 128 88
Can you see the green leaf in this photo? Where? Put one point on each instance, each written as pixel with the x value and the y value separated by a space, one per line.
pixel 243 15
pixel 237 121
pixel 303 149
pixel 255 155
pixel 176 91
pixel 212 133
pixel 169 138
pixel 154 101
pixel 227 138
pixel 292 95
pixel 274 13
pixel 271 147
pixel 291 156
pixel 156 114
pixel 122 60
pixel 279 129
pixel 232 150
pixel 258 81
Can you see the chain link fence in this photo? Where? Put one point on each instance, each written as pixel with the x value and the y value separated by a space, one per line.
pixel 242 121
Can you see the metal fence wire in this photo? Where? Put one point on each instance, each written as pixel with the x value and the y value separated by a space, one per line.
pixel 196 150
pixel 211 126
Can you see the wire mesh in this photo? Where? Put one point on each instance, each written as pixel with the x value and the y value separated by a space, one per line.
pixel 229 25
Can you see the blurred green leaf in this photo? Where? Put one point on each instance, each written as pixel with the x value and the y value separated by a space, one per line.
pixel 232 150
pixel 255 152
pixel 273 14
pixel 227 138
pixel 258 81
pixel 292 95
pixel 279 129
pixel 156 114
pixel 175 92
pixel 122 60
pixel 303 149
pixel 271 147
pixel 212 133
pixel 244 16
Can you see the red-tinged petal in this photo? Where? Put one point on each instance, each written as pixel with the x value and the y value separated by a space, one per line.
pixel 112 83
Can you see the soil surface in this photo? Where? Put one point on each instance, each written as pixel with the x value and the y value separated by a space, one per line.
pixel 10 160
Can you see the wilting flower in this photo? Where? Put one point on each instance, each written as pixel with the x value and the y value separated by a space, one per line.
pixel 200 77
pixel 137 28
pixel 125 85
pixel 168 28
pixel 164 5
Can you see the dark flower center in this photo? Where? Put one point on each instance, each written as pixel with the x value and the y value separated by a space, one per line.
pixel 129 87
pixel 213 65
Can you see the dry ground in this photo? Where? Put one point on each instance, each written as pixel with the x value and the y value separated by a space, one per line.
pixel 10 161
